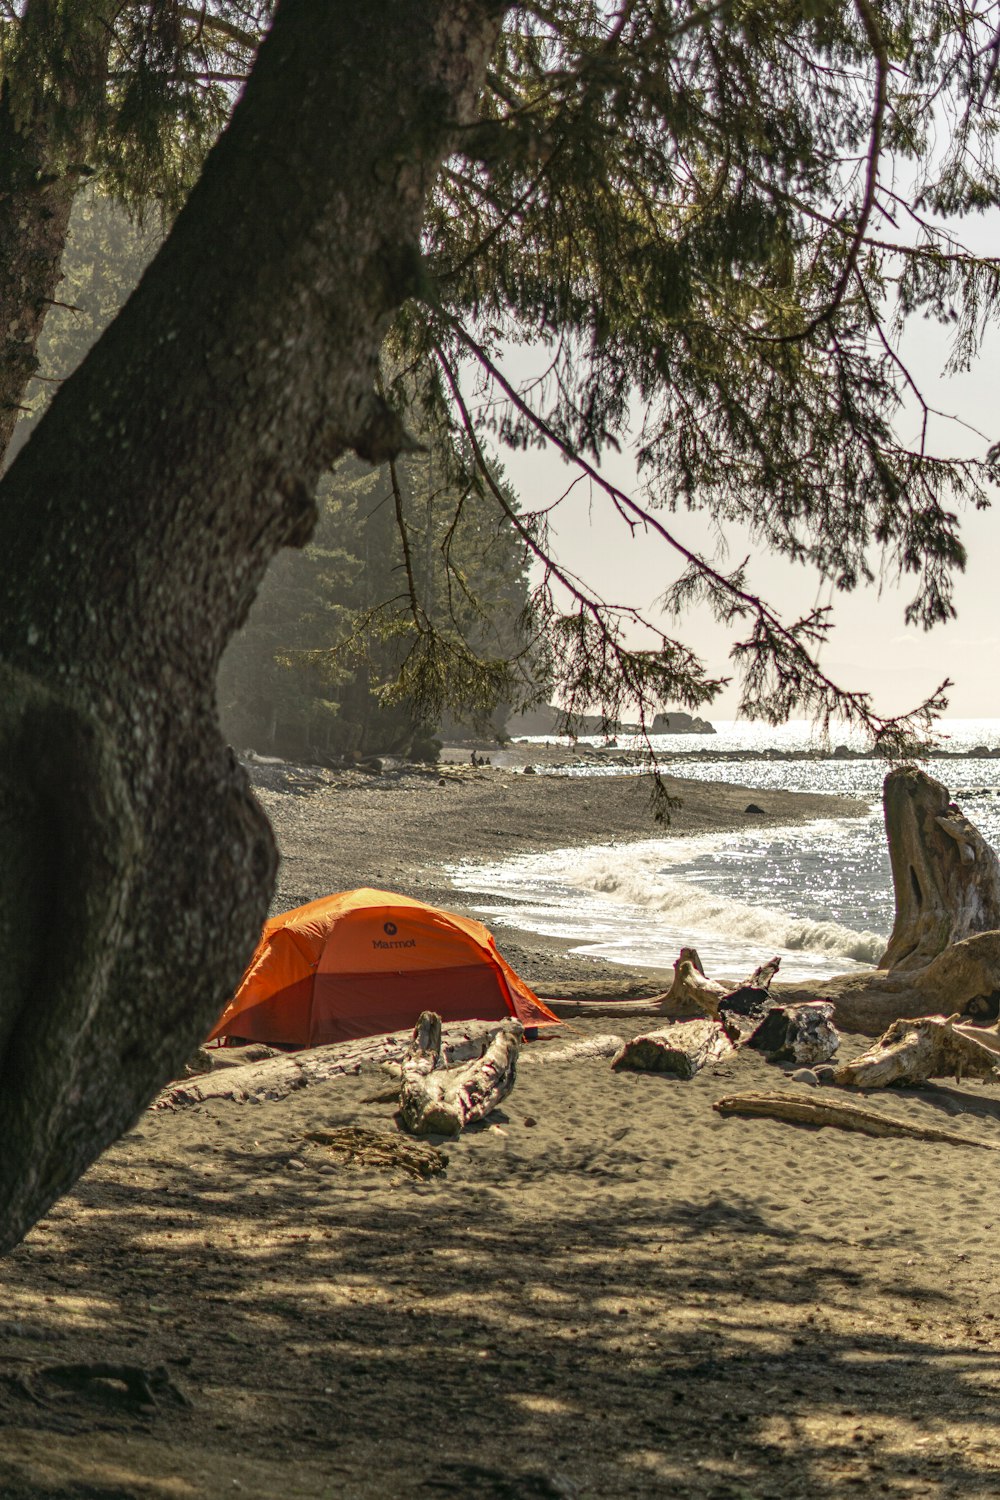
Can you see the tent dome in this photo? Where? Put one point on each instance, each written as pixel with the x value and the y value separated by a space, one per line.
pixel 362 962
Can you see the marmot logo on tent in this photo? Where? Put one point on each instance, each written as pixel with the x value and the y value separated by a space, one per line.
pixel 390 928
pixel 399 943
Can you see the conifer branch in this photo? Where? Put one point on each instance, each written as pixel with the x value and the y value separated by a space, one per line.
pixel 772 645
pixel 880 54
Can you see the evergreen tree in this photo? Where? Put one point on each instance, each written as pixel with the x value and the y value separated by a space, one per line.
pixel 330 661
pixel 130 94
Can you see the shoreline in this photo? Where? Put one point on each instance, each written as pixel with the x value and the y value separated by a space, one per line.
pixel 400 829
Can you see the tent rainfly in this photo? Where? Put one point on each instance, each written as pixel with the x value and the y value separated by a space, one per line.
pixel 363 962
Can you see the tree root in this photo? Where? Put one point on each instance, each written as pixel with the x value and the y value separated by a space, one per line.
pixel 142 1387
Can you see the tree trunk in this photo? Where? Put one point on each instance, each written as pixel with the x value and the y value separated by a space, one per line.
pixel 34 221
pixel 945 876
pixel 681 1050
pixel 44 145
pixel 138 523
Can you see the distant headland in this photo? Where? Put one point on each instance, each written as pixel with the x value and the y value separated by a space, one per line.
pixel 547 719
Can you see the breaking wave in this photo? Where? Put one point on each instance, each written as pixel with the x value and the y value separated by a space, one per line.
pixel 818 895
pixel 690 908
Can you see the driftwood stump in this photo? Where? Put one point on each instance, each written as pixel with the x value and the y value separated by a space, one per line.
pixel 692 993
pixel 680 1050
pixel 911 1052
pixel 945 875
pixel 944 952
pixel 742 1010
pixel 802 1034
pixel 443 1101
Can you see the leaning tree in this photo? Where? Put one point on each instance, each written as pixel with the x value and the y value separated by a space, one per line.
pixel 694 208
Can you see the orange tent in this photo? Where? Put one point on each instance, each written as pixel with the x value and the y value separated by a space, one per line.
pixel 363 962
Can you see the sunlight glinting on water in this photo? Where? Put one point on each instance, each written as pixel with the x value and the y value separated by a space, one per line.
pixel 818 894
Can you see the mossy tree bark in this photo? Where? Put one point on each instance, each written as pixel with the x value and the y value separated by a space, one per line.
pixel 139 521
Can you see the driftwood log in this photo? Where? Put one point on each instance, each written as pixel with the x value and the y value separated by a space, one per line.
pixel 276 1077
pixel 964 978
pixel 801 1034
pixel 801 1109
pixel 443 1101
pixel 742 1012
pixel 605 1044
pixel 911 1052
pixel 679 1050
pixel 569 1008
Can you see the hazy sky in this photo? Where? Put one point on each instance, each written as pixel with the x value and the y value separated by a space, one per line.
pixel 871 648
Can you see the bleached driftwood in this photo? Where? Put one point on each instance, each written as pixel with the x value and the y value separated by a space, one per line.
pixel 422 1055
pixel 568 1008
pixel 986 1036
pixel 443 1101
pixel 803 1109
pixel 962 978
pixel 208 1059
pixel 605 1044
pixel 279 1076
pixel 680 1050
pixel 692 993
pixel 763 975
pixel 802 1034
pixel 911 1052
pixel 945 875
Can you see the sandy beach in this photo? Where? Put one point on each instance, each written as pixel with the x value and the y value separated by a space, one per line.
pixel 608 1290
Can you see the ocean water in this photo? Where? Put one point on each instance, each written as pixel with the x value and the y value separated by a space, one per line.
pixel 818 894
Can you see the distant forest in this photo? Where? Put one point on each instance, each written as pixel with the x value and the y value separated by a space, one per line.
pixel 315 672
pixel 322 669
